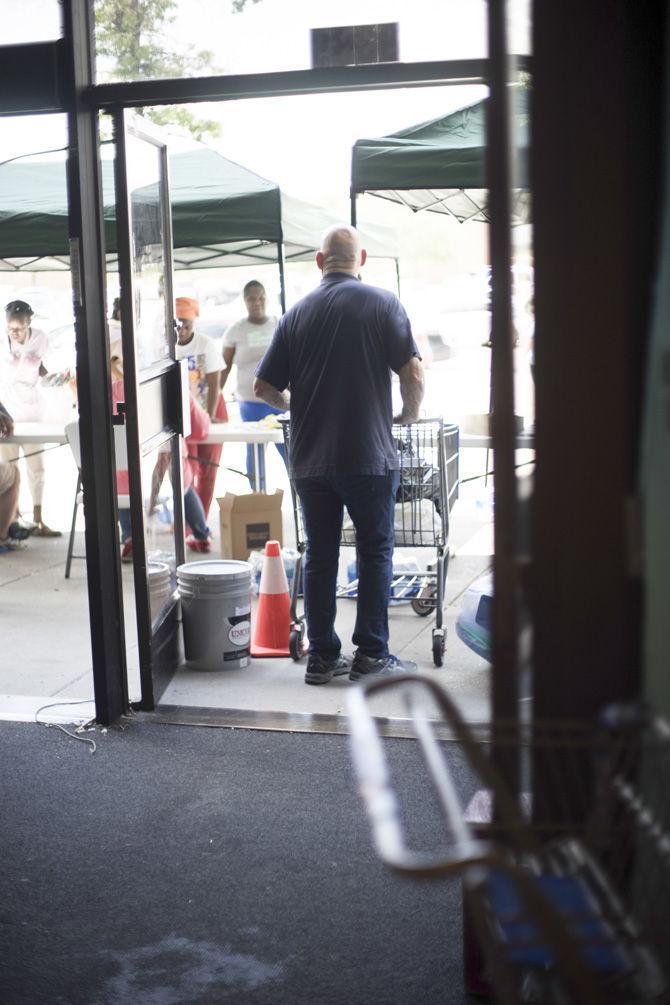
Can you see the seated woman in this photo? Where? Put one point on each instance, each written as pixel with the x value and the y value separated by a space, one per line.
pixel 198 538
pixel 11 535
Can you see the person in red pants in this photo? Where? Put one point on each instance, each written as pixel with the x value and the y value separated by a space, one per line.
pixel 204 366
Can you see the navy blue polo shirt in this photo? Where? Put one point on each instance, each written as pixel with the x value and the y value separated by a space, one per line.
pixel 336 349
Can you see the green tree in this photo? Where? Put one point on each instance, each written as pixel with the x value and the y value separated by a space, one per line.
pixel 131 35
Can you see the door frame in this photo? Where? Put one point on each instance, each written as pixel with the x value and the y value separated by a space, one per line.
pixel 139 384
pixel 83 100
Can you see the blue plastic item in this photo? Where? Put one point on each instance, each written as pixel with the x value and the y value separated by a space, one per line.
pixel 473 625
pixel 403 587
pixel 570 898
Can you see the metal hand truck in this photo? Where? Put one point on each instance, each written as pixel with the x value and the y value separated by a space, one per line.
pixel 429 478
pixel 567 886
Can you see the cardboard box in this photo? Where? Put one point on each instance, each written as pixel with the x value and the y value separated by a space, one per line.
pixel 248 521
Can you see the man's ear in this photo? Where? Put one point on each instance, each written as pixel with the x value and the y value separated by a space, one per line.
pixel 319 260
pixel 364 256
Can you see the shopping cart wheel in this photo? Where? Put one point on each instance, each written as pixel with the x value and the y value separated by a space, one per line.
pixel 424 604
pixel 439 645
pixel 296 641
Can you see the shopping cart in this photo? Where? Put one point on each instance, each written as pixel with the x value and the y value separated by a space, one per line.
pixel 428 489
pixel 567 887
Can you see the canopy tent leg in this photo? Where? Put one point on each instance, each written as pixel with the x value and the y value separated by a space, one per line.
pixel 281 262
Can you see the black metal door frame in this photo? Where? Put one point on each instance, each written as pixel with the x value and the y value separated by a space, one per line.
pixel 87 254
pixel 167 375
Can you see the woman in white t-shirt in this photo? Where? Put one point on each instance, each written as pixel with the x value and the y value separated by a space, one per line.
pixel 245 343
pixel 23 369
pixel 204 371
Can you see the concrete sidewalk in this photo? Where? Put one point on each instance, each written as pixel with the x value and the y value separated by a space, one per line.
pixel 46 645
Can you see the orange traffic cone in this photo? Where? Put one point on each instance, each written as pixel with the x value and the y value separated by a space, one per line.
pixel 273 615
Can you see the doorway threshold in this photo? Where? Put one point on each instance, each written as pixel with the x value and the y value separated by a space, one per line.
pixel 277 721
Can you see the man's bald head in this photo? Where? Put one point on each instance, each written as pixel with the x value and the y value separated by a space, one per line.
pixel 341 251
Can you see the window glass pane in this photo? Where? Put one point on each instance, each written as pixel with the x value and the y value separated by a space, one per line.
pixel 26 21
pixel 159 544
pixel 158 524
pixel 519 27
pixel 519 32
pixel 144 174
pixel 256 36
pixel 52 659
pixel 442 263
pixel 22 135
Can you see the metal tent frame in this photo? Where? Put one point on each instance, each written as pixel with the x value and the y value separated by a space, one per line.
pixel 239 216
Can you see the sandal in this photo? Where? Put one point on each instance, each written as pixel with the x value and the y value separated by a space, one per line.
pixel 44 531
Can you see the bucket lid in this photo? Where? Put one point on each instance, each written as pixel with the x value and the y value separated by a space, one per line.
pixel 214 570
pixel 157 570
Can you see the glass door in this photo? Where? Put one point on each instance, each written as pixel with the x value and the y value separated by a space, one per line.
pixel 148 401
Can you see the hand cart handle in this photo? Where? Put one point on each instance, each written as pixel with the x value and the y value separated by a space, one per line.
pixel 379 797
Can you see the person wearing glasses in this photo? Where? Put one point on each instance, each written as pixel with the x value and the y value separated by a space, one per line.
pixel 23 372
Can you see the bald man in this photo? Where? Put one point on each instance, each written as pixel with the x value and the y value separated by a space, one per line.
pixel 336 349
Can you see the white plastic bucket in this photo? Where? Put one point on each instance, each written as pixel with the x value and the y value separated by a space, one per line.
pixel 158 575
pixel 216 613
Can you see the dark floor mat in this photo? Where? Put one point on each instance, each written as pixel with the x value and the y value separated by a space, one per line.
pixel 193 865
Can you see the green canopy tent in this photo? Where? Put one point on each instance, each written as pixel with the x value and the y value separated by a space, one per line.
pixel 440 166
pixel 222 215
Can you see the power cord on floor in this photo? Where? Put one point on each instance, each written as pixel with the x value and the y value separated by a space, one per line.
pixel 489 474
pixel 33 453
pixel 84 725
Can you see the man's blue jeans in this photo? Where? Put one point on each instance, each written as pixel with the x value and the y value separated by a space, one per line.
pixel 370 501
pixel 194 514
pixel 253 411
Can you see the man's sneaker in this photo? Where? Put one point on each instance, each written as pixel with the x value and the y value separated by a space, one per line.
pixel 127 550
pixel 365 666
pixel 17 532
pixel 28 525
pixel 320 671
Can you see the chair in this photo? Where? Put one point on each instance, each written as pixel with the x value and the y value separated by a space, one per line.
pixel 123 501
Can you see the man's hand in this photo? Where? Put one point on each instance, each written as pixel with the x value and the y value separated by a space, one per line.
pixel 6 424
pixel 270 395
pixel 228 356
pixel 412 386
